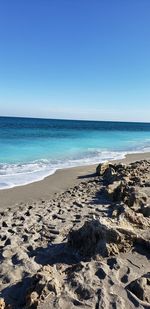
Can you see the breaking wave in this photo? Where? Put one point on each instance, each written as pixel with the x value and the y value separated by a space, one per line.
pixel 12 175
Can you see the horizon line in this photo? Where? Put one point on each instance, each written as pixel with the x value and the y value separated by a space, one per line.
pixel 69 119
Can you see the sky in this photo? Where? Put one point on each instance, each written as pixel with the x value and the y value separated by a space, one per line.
pixel 76 59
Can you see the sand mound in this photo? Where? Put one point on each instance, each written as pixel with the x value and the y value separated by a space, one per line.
pixel 96 238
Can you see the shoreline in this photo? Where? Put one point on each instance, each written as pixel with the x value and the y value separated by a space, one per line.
pixel 60 181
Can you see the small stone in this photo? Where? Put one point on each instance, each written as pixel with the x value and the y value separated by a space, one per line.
pixel 7 242
pixel 4 224
pixel 2 303
pixel 146 211
pixel 32 299
pixel 107 171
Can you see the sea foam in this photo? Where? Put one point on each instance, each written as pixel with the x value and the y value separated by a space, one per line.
pixel 12 175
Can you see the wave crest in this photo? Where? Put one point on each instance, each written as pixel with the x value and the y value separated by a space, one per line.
pixel 12 175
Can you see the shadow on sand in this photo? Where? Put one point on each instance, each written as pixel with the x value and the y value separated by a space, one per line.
pixel 53 254
pixel 93 175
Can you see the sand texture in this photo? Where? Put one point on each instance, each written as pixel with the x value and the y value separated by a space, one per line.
pixel 87 247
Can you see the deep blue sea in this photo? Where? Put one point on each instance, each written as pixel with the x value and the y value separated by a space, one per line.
pixel 31 149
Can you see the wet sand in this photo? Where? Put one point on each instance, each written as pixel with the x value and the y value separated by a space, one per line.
pixel 60 181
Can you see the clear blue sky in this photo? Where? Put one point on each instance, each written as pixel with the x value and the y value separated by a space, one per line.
pixel 85 59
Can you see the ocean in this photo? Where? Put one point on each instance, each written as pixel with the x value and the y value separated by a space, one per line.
pixel 31 149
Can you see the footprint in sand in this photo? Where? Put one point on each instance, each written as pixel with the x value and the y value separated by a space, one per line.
pixel 113 263
pixel 125 277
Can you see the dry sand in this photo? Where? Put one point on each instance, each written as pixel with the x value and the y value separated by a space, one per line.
pixel 77 240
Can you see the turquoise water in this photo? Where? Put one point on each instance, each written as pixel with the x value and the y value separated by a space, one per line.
pixel 32 149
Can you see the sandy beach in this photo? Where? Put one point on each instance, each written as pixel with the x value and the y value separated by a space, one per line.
pixel 74 154
pixel 60 181
pixel 78 239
